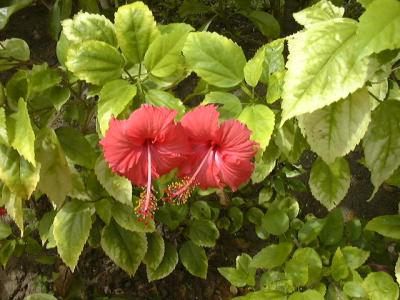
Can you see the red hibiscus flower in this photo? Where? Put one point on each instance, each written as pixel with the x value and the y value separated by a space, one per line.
pixel 145 146
pixel 3 211
pixel 221 154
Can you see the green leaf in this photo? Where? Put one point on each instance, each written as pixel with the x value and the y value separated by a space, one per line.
pixel 194 259
pixel 12 52
pixel 89 6
pixel 136 30
pixel 14 207
pixel 104 210
pixel 6 250
pixel 16 88
pixel 96 62
pixel 354 289
pixel 42 78
pixel 382 142
pixel 323 67
pixel 172 215
pixel 287 204
pixel 203 51
pixel 329 183
pixel 164 55
pixel 5 230
pixel 397 270
pixel 40 296
pixel 339 269
pixel 76 147
pixel 118 187
pixel 79 190
pixel 254 67
pixel 290 141
pixel 59 11
pixel 265 196
pixel 322 11
pixel 85 26
pixel 274 60
pixel 272 256
pixel 62 47
pixel 355 257
pixel 55 96
pixel 307 295
pixel 162 98
pixel 7 11
pixel 310 258
pixel 380 286
pixel 334 292
pixel 55 175
pixel 236 217
pixel 265 163
pixel 265 22
pixel 395 178
pixel 310 230
pixel 17 173
pixel 261 121
pixel 262 294
pixel 275 222
pixel 365 3
pixel 193 7
pixel 231 106
pixel 45 226
pixel 332 232
pixel 297 272
pixel 203 233
pixel 155 250
pixel 379 27
pixel 126 217
pixel 335 130
pixel 114 98
pixel 200 210
pixel 243 274
pixel 388 226
pixel 166 266
pixel 275 87
pixel 3 128
pixel 124 247
pixel 71 230
pixel 20 132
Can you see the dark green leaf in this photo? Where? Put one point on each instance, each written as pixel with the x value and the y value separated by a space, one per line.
pixel 275 222
pixel 155 250
pixel 194 259
pixel 71 230
pixel 166 266
pixel 272 256
pixel 203 233
pixel 124 247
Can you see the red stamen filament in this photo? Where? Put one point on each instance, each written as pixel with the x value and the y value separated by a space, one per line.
pixel 147 202
pixel 181 191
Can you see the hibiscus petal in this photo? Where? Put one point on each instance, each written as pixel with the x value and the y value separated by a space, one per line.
pixel 172 152
pixel 234 141
pixel 150 122
pixel 234 172
pixel 121 152
pixel 209 174
pixel 201 124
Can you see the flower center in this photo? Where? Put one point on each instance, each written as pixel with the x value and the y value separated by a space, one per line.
pixel 147 201
pixel 180 191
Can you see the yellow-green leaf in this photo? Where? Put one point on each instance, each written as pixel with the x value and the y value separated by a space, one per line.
pixel 20 132
pixel 136 29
